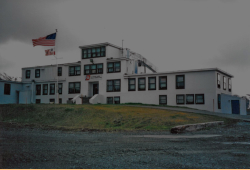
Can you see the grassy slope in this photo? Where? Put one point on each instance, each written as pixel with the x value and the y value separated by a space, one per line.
pixel 102 117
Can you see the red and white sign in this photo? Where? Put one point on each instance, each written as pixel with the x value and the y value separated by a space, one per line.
pixel 87 77
pixel 93 77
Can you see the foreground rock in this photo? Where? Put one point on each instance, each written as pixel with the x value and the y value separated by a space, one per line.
pixel 195 127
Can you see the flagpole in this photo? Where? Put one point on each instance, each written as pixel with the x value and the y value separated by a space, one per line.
pixel 57 96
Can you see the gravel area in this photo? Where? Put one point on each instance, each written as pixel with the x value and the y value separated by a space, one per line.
pixel 28 147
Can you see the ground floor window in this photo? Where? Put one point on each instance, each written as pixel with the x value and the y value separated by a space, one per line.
pixel 180 99
pixel 38 101
pixel 38 89
pixel 113 85
pixel 199 99
pixel 52 100
pixel 60 100
pixel 60 86
pixel 7 89
pixel 45 89
pixel 74 87
pixel 109 100
pixel 163 99
pixel 219 101
pixel 52 89
pixel 117 100
pixel 189 99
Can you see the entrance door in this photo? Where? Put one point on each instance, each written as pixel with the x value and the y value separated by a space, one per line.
pixel 17 97
pixel 235 106
pixel 95 89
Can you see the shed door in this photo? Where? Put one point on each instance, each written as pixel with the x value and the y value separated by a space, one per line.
pixel 235 106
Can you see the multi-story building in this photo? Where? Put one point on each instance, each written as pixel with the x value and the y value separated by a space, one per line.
pixel 110 74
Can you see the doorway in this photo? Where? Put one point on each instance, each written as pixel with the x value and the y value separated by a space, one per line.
pixel 235 106
pixel 95 89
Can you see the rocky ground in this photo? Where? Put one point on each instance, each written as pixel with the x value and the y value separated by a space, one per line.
pixel 29 147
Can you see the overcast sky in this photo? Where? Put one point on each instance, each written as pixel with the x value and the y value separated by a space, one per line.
pixel 172 34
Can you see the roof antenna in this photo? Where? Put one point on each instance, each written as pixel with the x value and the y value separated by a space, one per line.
pixel 122 48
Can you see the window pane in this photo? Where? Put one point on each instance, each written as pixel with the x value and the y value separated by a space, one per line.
pixel 141 81
pixel 110 65
pixel 110 82
pixel 142 86
pixel 117 82
pixel 152 80
pixel 180 79
pixel 132 81
pixel 152 86
pixel 132 87
pixel 93 66
pixel 86 67
pixel 99 66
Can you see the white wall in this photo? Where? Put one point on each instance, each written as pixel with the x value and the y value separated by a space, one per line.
pixel 226 106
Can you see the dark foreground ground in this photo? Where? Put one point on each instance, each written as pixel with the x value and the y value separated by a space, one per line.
pixel 26 147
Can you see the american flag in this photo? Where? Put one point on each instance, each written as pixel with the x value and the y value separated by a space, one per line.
pixel 50 52
pixel 48 40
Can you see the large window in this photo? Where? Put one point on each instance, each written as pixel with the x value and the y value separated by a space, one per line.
pixel 52 89
pixel 7 89
pixel 59 71
pixel 37 73
pixel 60 86
pixel 94 52
pixel 218 80
pixel 52 100
pixel 141 84
pixel 45 89
pixel 74 87
pixel 199 99
pixel 151 83
pixel 180 81
pixel 189 99
pixel 93 69
pixel 27 74
pixel 131 84
pixel 113 85
pixel 114 67
pixel 229 85
pixel 219 101
pixel 163 99
pixel 162 82
pixel 38 89
pixel 224 83
pixel 180 99
pixel 109 100
pixel 117 100
pixel 74 70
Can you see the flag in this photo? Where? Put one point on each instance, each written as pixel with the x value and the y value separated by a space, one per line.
pixel 48 40
pixel 50 52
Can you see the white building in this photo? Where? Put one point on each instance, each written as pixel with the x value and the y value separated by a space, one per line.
pixel 110 74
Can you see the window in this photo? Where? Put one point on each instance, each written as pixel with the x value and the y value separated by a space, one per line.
pixel 141 84
pixel 38 89
pixel 74 87
pixel 52 89
pixel 218 80
pixel 163 99
pixel 45 89
pixel 113 85
pixel 199 99
pixel 38 101
pixel 59 73
pixel 93 69
pixel 229 85
pixel 109 100
pixel 163 83
pixel 189 99
pixel 27 74
pixel 224 83
pixel 219 101
pixel 93 52
pixel 7 89
pixel 131 84
pixel 180 99
pixel 151 83
pixel 37 73
pixel 60 100
pixel 74 70
pixel 114 67
pixel 180 81
pixel 117 100
pixel 60 86
pixel 52 100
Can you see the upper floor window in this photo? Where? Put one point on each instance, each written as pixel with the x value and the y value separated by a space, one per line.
pixel 7 89
pixel 162 82
pixel 218 80
pixel 189 99
pixel 74 70
pixel 74 87
pixel 60 86
pixel 131 84
pixel 180 81
pixel 52 89
pixel 45 89
pixel 37 73
pixel 151 83
pixel 224 82
pixel 219 101
pixel 93 69
pixel 27 74
pixel 141 84
pixel 199 99
pixel 94 52
pixel 38 89
pixel 59 72
pixel 113 85
pixel 114 67
pixel 180 99
pixel 229 85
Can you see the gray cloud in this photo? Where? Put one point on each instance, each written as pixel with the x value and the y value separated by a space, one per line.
pixel 4 63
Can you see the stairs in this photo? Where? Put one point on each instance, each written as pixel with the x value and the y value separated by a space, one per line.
pixel 85 100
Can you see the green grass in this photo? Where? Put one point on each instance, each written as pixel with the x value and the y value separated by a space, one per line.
pixel 100 117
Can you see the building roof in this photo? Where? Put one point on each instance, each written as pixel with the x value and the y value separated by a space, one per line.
pixel 8 81
pixel 181 71
pixel 66 64
pixel 99 45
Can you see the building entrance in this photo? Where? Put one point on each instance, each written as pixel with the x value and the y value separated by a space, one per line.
pixel 95 89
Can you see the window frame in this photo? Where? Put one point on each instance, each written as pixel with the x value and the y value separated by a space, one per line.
pixel 50 89
pixel 36 73
pixel 60 88
pixel 38 85
pixel 196 98
pixel 119 99
pixel 26 74
pixel 160 100
pixel 218 80
pixel 7 90
pixel 139 89
pixel 59 73
pixel 94 54
pixel 37 101
pixel 224 83
pixel 179 82
pixel 74 88
pixel 229 84
pixel 183 99
pixel 164 88
pixel 114 68
pixel 90 70
pixel 193 99
pixel 113 80
pixel 45 89
pixel 151 83
pixel 129 89
pixel 108 100
pixel 75 71
pixel 219 101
